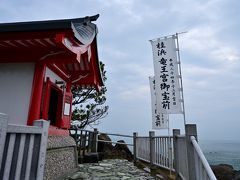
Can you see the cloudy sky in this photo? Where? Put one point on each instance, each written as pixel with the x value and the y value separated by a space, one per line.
pixel 210 57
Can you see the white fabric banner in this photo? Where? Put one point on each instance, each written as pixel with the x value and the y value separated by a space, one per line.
pixel 167 75
pixel 159 120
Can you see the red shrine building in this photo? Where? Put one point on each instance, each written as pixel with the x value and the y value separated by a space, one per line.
pixel 39 62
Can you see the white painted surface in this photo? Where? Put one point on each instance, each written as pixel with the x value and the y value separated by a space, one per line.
pixel 67 109
pixel 53 77
pixel 15 90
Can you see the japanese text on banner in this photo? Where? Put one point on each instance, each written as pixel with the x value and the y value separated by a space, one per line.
pixel 159 120
pixel 167 75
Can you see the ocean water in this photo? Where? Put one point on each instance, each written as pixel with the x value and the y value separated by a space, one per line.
pixel 221 152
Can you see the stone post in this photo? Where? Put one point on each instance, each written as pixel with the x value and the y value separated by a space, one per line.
pixel 152 149
pixel 191 130
pixel 176 132
pixel 43 146
pixel 135 134
pixel 3 134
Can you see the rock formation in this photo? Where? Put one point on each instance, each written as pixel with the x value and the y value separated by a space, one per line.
pixel 225 172
pixel 109 151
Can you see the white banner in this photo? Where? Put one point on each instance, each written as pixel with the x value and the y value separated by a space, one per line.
pixel 167 75
pixel 159 120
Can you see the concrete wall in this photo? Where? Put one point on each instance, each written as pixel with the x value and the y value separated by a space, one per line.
pixel 15 90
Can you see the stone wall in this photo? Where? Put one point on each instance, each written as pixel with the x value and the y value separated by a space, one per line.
pixel 61 157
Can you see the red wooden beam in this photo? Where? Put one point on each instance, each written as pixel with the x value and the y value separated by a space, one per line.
pixel 62 74
pixel 33 35
pixel 36 97
pixel 20 56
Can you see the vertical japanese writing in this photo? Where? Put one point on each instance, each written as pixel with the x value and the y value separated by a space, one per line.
pixel 166 75
pixel 164 86
pixel 159 120
pixel 172 79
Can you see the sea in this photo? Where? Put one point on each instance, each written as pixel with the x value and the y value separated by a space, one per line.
pixel 221 152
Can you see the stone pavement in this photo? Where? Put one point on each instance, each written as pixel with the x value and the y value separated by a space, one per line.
pixel 111 169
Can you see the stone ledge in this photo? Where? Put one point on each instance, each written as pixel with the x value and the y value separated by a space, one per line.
pixel 59 161
pixel 55 142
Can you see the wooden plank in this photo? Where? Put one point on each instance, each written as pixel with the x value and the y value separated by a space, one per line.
pixel 80 139
pixel 95 139
pixel 88 138
pixel 84 143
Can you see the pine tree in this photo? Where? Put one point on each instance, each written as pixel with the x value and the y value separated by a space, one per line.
pixel 89 104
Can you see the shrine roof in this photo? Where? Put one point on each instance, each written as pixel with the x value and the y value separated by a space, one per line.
pixel 68 45
pixel 83 29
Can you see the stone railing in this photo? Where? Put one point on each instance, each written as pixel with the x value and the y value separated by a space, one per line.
pixel 22 149
pixel 189 161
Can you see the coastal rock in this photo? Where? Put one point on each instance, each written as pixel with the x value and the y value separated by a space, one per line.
pixel 102 146
pixel 225 172
pixel 123 151
pixel 109 151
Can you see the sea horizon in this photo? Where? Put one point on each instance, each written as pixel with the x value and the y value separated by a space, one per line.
pixel 222 152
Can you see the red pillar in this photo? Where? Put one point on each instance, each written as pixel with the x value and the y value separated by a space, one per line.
pixel 68 86
pixel 37 89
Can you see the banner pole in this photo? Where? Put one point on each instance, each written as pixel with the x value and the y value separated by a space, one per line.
pixel 162 37
pixel 180 71
pixel 169 150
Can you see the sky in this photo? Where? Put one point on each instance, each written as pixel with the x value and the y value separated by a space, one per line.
pixel 210 57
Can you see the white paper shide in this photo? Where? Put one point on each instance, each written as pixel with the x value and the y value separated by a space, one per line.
pixel 167 75
pixel 159 120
